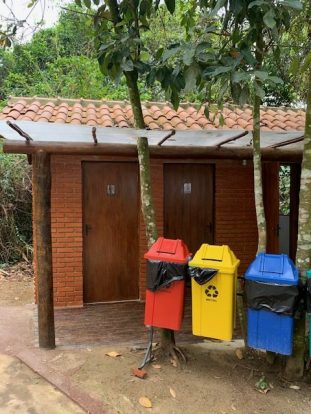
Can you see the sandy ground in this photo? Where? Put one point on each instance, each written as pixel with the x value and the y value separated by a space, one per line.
pixel 23 391
pixel 16 285
pixel 214 380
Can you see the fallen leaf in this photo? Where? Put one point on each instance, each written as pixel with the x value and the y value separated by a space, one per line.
pixel 294 387
pixel 156 366
pixel 174 363
pixel 239 353
pixel 113 354
pixel 263 391
pixel 145 402
pixel 173 393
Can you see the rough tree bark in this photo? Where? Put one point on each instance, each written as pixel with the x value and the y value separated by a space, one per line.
pixel 295 364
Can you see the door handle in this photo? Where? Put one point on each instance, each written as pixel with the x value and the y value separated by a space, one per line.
pixel 88 228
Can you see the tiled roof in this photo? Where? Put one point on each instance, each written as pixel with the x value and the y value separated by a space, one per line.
pixel 157 115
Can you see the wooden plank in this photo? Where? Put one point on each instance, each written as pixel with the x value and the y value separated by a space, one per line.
pixel 287 142
pixel 270 179
pixel 43 250
pixel 232 153
pixel 295 172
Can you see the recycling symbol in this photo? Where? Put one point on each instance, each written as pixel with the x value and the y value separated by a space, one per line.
pixel 211 291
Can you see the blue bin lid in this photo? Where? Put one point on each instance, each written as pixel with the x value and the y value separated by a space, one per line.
pixel 273 268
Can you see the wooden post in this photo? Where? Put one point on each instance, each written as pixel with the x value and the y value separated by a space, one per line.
pixel 43 250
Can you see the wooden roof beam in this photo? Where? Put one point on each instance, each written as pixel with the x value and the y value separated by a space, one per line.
pixel 287 142
pixel 20 131
pixel 225 141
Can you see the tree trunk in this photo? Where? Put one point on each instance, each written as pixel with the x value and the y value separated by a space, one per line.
pixel 42 211
pixel 167 335
pixel 260 212
pixel 145 190
pixel 295 363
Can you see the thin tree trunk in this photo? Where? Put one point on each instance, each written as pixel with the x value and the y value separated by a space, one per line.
pixel 260 212
pixel 295 363
pixel 167 335
pixel 145 190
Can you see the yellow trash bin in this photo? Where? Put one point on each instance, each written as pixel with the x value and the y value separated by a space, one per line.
pixel 213 273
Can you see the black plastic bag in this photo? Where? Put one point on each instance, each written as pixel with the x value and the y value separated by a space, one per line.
pixel 202 276
pixel 162 274
pixel 281 299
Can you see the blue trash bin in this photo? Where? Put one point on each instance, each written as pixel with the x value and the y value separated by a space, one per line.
pixel 272 291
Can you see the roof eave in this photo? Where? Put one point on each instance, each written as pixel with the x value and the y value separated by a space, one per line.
pixel 156 151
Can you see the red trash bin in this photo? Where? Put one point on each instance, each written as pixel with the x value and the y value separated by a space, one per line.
pixel 167 262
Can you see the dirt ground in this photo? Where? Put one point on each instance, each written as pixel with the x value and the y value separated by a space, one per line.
pixel 23 391
pixel 214 380
pixel 16 284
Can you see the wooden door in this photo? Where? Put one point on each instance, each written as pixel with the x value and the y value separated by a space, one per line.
pixel 270 183
pixel 189 203
pixel 110 216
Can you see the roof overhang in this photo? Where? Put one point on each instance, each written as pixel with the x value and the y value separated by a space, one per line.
pixel 213 143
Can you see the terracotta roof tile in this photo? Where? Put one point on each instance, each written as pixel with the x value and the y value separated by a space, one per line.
pixel 157 115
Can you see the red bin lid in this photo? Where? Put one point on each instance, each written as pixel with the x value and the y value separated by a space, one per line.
pixel 168 250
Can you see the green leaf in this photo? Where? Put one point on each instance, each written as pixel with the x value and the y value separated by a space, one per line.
pixel 260 74
pixel 257 3
pixel 215 71
pixel 87 3
pixel 237 77
pixel 275 80
pixel 175 99
pixel 170 4
pixel 127 65
pixel 78 3
pixel 293 4
pixel 96 2
pixel 218 6
pixel 306 64
pixel 144 55
pixel 169 53
pixel 259 91
pixel 206 111
pixel 221 120
pixel 269 20
pixel 188 56
pixel 294 66
pixel 191 75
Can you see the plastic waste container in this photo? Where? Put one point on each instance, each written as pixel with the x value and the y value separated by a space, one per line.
pixel 272 294
pixel 308 274
pixel 213 272
pixel 167 264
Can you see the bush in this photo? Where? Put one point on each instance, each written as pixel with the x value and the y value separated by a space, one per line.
pixel 15 208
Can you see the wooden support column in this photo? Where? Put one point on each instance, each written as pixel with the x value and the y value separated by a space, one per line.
pixel 43 250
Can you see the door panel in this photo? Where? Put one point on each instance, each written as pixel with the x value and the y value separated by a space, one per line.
pixel 110 214
pixel 189 203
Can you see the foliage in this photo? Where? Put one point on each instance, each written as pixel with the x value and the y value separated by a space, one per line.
pixel 15 208
pixel 284 190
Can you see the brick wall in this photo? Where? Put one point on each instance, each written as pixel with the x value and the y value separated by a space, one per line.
pixel 66 216
pixel 234 215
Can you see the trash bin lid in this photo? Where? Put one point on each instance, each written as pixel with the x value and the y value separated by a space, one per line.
pixel 168 250
pixel 273 268
pixel 215 257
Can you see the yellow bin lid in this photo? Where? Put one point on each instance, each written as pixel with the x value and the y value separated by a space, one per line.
pixel 215 257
